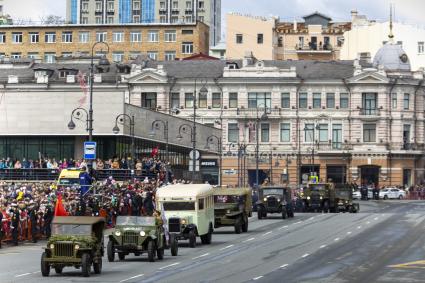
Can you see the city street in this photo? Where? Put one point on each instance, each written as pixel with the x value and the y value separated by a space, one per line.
pixel 383 243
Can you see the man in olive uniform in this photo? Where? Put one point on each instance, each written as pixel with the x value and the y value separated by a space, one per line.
pixel 33 214
pixel 15 224
pixel 48 218
pixel 1 226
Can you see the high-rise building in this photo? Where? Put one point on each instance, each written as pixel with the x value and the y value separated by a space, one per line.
pixel 147 11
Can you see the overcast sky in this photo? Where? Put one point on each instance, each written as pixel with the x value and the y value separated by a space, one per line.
pixel 411 11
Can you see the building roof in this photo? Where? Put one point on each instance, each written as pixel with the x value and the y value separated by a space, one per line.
pixel 184 191
pixel 392 57
pixel 200 56
pixel 317 14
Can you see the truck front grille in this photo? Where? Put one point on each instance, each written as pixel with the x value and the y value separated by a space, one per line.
pixel 130 237
pixel 174 225
pixel 272 202
pixel 64 249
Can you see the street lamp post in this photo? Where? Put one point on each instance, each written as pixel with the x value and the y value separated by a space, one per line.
pixel 116 130
pixel 263 117
pixel 220 148
pixel 155 126
pixel 179 137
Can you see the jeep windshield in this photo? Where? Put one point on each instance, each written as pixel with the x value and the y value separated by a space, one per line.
pixel 136 220
pixel 272 191
pixel 228 199
pixel 176 206
pixel 71 229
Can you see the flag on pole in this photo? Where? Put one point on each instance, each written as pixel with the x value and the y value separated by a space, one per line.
pixel 84 87
pixel 59 208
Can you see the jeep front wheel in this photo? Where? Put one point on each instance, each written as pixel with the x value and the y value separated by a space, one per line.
pixel 174 245
pixel 245 224
pixel 238 225
pixel 160 253
pixel 86 265
pixel 151 251
pixel 45 267
pixel 110 250
pixel 260 213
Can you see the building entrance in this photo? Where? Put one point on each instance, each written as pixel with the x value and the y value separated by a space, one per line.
pixel 337 174
pixel 369 175
pixel 308 170
pixel 262 175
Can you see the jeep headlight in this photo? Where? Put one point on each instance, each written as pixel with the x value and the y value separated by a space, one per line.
pixel 308 198
pixel 77 247
pixel 52 246
pixel 142 233
pixel 321 197
pixel 117 233
pixel 278 200
pixel 183 222
pixel 228 211
pixel 265 199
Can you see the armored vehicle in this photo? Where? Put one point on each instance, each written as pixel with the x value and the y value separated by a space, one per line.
pixel 275 200
pixel 76 241
pixel 189 210
pixel 344 199
pixel 232 207
pixel 138 234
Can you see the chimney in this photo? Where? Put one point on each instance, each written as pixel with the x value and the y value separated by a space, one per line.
pixel 248 59
pixel 354 14
pixel 365 57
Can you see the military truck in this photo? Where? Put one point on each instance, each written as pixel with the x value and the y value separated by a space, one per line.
pixel 275 200
pixel 232 207
pixel 138 235
pixel 344 199
pixel 76 241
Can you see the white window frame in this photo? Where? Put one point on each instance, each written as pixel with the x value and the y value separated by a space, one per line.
pixel 17 37
pixel 2 38
pixel 118 56
pixel 170 36
pixel 135 36
pixel 170 55
pixel 118 36
pixel 101 36
pixel 153 36
pixel 187 48
pixel 34 37
pixel 153 55
pixel 421 47
pixel 66 37
pixel 84 36
pixel 49 57
pixel 50 37
pixel 280 133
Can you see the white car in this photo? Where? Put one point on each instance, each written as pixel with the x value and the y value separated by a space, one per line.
pixel 357 194
pixel 392 193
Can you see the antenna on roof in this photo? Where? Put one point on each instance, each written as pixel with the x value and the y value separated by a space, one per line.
pixel 391 35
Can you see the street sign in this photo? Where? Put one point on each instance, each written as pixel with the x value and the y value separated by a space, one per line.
pixel 230 172
pixel 194 155
pixel 196 165
pixel 89 150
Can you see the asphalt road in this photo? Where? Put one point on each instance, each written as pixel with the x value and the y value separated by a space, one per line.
pixel 385 242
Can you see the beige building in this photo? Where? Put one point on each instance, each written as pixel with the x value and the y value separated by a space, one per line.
pixel 126 41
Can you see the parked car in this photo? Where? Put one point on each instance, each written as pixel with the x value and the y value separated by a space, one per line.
pixel 357 194
pixel 392 193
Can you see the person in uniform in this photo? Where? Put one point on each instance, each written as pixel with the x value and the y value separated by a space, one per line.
pixel 48 218
pixel 15 224
pixel 1 225
pixel 33 215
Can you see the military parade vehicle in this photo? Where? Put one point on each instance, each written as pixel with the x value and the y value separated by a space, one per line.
pixel 138 235
pixel 344 199
pixel 76 241
pixel 232 207
pixel 274 200
pixel 189 211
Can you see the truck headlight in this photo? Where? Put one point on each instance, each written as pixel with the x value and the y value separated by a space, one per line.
pixel 321 197
pixel 142 233
pixel 183 222
pixel 52 246
pixel 77 247
pixel 117 233
pixel 265 199
pixel 228 211
pixel 308 198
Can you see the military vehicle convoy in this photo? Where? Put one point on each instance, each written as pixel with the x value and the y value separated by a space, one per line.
pixel 76 241
pixel 274 200
pixel 328 197
pixel 232 207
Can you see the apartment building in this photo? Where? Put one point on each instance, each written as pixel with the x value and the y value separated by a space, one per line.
pixel 147 11
pixel 125 41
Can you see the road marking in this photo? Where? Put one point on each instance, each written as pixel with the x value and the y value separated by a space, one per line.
pixel 170 265
pixel 267 233
pixel 283 227
pixel 134 277
pixel 35 272
pixel 298 222
pixel 256 278
pixel 376 218
pixel 349 232
pixel 24 274
pixel 336 239
pixel 359 227
pixel 413 264
pixel 311 218
pixel 368 222
pixel 250 239
pixel 204 255
pixel 322 246
pixel 225 248
pixel 283 266
pixel 305 255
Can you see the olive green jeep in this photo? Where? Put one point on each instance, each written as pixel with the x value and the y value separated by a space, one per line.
pixel 232 207
pixel 76 241
pixel 139 234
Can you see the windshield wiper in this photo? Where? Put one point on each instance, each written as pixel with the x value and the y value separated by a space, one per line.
pixel 76 226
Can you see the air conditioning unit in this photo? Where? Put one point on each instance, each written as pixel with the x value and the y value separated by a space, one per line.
pixel 11 79
pixel 97 78
pixel 70 79
pixel 43 79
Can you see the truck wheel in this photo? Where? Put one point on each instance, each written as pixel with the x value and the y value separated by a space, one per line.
pixel 245 224
pixel 260 213
pixel 238 225
pixel 110 250
pixel 58 269
pixel 85 265
pixel 151 251
pixel 326 207
pixel 45 267
pixel 97 266
pixel 192 239
pixel 206 239
pixel 284 213
pixel 121 256
pixel 174 245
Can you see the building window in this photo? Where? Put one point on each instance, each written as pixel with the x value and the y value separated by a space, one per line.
pixel 406 101
pixel 67 36
pixel 153 36
pixel 369 103
pixel 101 36
pixel 110 20
pixel 136 19
pixel 188 5
pixel 187 31
pixel 33 55
pixel 309 132
pixel 162 5
pixel 149 100
pixel 259 100
pixel 265 132
pixel 84 36
pixel 136 36
pixel 174 19
pixel 336 136
pixel 153 55
pixel 118 36
pixel 16 55
pixel 2 37
pixel 323 132
pixel 201 5
pixel 369 132
pixel 175 5
pixel 202 100
pixel 285 100
pixel 317 100
pixel 232 132
pixel 98 20
pixel 136 5
pixel 260 38
pixel 84 20
pixel 239 38
pixel 330 100
pixel 34 37
pixel 85 6
pixel 343 100
pixel 162 19
pixel 394 100
pixel 188 100
pixel 170 36
pixel 421 48
pixel 170 55
pixel 98 6
pixel 134 54
pixel 300 42
pixel 111 6
pixel 50 37
pixel 175 100
pixel 233 100
pixel 406 135
pixel 285 132
pixel 17 37
pixel 49 57
pixel 302 100
pixel 117 56
pixel 187 47
pixel 66 54
pixel 201 19
pixel 216 100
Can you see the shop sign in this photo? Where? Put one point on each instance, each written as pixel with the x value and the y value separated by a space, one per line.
pixel 208 163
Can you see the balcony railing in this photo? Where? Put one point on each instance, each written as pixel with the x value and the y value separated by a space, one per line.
pixel 327 48
pixel 370 112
